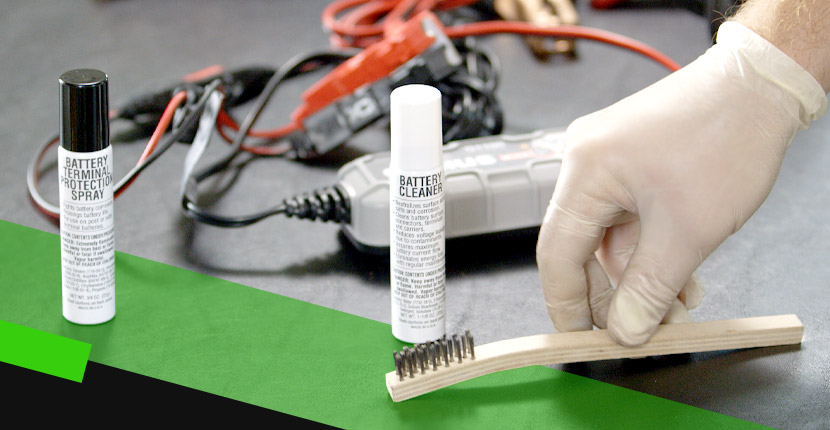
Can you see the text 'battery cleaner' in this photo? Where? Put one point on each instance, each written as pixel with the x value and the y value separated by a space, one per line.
pixel 416 214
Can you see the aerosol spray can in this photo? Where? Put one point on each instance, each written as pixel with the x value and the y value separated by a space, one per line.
pixel 416 189
pixel 86 199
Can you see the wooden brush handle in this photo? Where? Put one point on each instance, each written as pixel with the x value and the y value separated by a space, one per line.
pixel 574 347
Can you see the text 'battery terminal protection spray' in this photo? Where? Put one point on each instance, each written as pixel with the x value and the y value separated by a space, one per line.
pixel 416 203
pixel 86 199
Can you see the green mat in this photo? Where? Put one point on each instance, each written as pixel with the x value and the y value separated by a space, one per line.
pixel 298 358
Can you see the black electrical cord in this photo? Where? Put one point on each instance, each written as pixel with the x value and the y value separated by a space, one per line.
pixel 297 66
pixel 470 108
pixel 194 111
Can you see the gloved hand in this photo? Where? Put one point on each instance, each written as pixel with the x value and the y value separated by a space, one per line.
pixel 650 186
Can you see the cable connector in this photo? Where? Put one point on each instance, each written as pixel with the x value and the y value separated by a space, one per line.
pixel 239 85
pixel 336 123
pixel 374 63
pixel 193 93
pixel 324 127
pixel 325 204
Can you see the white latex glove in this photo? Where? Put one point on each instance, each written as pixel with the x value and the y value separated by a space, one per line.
pixel 650 186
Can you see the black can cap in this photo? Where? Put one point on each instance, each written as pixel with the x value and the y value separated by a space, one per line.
pixel 84 110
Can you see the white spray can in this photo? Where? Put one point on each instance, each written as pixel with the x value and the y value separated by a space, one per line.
pixel 86 199
pixel 416 191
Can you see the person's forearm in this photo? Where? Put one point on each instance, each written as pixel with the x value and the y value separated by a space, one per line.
pixel 799 28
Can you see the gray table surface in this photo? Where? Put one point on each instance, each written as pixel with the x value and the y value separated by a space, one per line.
pixel 778 263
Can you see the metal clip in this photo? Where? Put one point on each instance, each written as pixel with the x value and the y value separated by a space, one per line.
pixel 542 13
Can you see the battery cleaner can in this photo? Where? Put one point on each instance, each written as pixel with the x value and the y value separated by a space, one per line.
pixel 416 202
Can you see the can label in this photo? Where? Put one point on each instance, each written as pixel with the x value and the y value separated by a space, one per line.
pixel 87 235
pixel 417 250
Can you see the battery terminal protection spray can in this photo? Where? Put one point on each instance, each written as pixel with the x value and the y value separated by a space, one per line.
pixel 86 198
pixel 416 192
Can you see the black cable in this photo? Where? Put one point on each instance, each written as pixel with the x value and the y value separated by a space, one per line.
pixel 326 204
pixel 179 129
pixel 40 202
pixel 470 108
pixel 294 67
